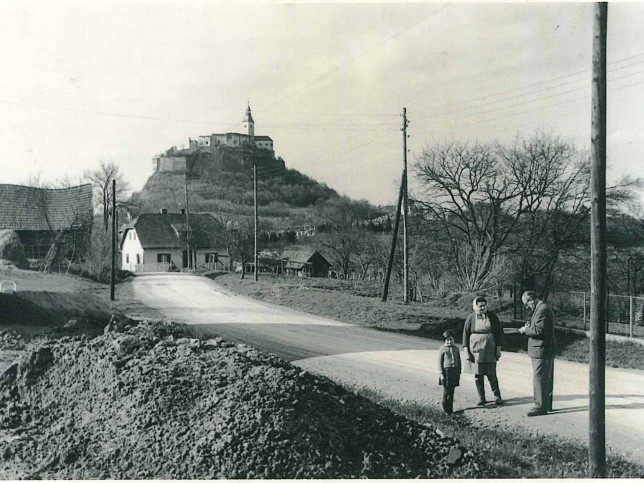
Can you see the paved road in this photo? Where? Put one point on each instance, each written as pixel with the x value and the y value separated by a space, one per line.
pixel 398 366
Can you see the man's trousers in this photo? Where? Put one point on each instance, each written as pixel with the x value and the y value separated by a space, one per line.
pixel 542 381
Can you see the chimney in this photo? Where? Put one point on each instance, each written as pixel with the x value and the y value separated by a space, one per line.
pixel 164 211
pixel 183 211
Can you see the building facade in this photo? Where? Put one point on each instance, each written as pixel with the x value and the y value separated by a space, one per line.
pixel 233 139
pixel 159 242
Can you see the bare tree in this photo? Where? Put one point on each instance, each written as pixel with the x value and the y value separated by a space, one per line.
pixel 370 252
pixel 342 237
pixel 241 242
pixel 476 195
pixel 101 179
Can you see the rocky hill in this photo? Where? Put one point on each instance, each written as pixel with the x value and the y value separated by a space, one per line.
pixel 221 180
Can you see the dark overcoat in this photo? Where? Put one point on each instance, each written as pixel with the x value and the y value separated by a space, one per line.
pixel 541 332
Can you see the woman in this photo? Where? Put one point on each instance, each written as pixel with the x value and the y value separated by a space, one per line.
pixel 482 339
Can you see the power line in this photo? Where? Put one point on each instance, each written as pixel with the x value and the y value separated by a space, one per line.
pixel 586 72
pixel 332 125
pixel 532 102
pixel 586 86
pixel 354 58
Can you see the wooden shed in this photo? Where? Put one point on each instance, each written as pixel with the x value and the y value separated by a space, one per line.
pixel 305 263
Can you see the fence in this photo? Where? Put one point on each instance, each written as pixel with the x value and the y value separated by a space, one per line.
pixel 152 267
pixel 624 314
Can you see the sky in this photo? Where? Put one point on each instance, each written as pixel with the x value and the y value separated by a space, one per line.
pixel 83 83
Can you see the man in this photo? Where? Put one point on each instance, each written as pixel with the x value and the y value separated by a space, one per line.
pixel 541 333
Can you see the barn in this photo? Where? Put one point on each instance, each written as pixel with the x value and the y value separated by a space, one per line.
pixel 47 221
pixel 305 263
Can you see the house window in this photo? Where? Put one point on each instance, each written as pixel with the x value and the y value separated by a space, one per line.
pixel 138 259
pixel 163 257
pixel 134 235
pixel 127 258
pixel 211 258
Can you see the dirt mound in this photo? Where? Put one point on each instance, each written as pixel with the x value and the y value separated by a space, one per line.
pixel 147 401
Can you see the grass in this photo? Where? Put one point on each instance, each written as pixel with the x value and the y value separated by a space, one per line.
pixel 513 453
pixel 359 303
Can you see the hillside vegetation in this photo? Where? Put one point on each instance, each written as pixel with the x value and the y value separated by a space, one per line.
pixel 221 181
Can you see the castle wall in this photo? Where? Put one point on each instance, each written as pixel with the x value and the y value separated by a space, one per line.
pixel 170 164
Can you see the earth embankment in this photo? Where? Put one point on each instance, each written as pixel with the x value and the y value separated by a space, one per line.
pixel 31 308
pixel 147 400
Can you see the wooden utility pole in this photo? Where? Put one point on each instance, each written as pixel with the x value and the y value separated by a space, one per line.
pixel 405 208
pixel 597 429
pixel 255 198
pixel 392 251
pixel 113 274
pixel 188 248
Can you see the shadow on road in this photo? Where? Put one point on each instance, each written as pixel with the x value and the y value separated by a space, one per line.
pixel 511 342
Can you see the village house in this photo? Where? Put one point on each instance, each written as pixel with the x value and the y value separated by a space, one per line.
pixel 45 218
pixel 165 241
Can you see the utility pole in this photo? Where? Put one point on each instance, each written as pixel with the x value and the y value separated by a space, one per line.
pixel 188 248
pixel 255 198
pixel 405 209
pixel 597 422
pixel 112 277
pixel 392 251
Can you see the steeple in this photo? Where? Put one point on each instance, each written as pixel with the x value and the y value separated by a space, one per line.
pixel 249 125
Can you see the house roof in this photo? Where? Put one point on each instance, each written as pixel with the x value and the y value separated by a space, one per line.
pixel 39 209
pixel 262 138
pixel 295 255
pixel 158 230
pixel 297 258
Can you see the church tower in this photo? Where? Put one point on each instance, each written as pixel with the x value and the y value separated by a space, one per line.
pixel 249 125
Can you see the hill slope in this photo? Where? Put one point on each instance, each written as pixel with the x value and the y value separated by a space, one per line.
pixel 221 180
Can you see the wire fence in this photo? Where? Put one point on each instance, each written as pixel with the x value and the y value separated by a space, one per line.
pixel 624 314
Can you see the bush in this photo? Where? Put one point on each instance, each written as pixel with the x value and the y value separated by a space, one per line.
pixel 97 264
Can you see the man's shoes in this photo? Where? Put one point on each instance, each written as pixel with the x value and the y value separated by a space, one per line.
pixel 537 412
pixel 482 402
pixel 499 401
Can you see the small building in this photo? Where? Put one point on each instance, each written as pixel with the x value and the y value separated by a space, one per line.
pixel 158 242
pixel 304 263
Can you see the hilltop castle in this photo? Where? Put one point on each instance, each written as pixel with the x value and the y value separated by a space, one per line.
pixel 233 139
pixel 173 160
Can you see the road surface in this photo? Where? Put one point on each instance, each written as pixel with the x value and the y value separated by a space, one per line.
pixel 397 366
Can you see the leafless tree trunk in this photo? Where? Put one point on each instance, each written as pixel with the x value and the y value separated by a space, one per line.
pixel 101 179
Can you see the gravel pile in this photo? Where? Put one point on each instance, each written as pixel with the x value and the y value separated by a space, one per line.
pixel 145 400
pixel 12 340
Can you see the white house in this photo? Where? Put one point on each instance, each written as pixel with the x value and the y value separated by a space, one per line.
pixel 159 242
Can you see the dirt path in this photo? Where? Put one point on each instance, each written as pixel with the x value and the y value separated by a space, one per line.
pixel 397 366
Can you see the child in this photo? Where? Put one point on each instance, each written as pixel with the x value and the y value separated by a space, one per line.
pixel 449 362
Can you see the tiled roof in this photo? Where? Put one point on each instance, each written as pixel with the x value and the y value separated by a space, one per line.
pixel 262 138
pixel 158 230
pixel 28 208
